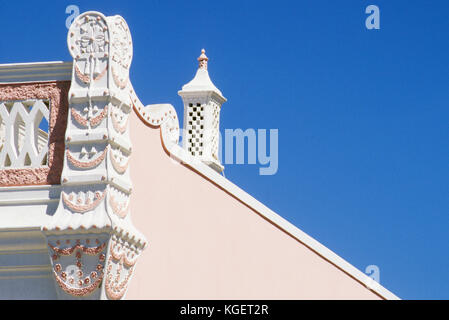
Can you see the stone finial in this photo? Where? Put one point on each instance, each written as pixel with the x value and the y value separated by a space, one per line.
pixel 203 60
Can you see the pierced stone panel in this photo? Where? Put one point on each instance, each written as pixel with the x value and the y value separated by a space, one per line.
pixel 195 127
pixel 215 140
pixel 24 133
pixel 52 121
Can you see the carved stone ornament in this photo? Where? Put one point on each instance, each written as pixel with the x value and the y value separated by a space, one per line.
pixel 120 266
pixel 88 42
pixel 92 242
pixel 78 264
pixel 121 51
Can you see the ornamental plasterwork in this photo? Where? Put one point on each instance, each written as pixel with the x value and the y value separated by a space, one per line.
pixel 88 42
pixel 158 115
pixel 118 202
pixel 119 160
pixel 120 265
pixel 83 201
pixel 78 264
pixel 93 116
pixel 122 51
pixel 84 160
pixel 119 120
pixel 92 242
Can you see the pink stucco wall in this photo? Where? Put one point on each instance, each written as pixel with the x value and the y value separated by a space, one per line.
pixel 205 244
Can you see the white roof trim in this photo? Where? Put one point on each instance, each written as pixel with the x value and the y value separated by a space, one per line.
pixel 25 195
pixel 35 72
pixel 283 224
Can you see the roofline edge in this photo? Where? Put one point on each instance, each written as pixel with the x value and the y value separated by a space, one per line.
pixel 283 224
pixel 35 72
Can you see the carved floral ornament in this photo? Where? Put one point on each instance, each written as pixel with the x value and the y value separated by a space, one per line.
pixel 88 42
pixel 74 274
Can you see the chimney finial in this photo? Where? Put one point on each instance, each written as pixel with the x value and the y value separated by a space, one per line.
pixel 203 60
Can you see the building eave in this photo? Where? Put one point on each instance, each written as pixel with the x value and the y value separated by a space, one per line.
pixel 35 72
pixel 196 93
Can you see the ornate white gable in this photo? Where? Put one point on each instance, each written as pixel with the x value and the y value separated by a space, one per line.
pixel 92 242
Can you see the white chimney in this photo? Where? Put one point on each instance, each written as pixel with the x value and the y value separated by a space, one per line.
pixel 202 104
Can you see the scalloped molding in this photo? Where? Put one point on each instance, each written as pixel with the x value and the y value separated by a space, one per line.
pixel 86 78
pixel 95 121
pixel 86 164
pixel 82 208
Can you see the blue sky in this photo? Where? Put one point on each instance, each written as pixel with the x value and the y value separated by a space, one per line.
pixel 362 114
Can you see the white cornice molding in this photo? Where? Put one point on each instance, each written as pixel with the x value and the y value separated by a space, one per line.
pixel 23 255
pixel 35 72
pixel 29 242
pixel 25 195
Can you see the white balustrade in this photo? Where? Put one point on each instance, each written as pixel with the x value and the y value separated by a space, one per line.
pixel 22 143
